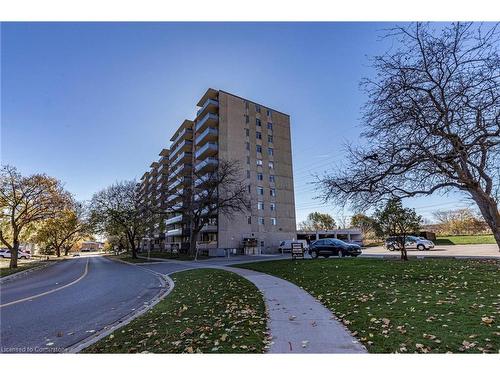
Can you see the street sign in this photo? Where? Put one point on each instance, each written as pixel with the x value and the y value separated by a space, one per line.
pixel 297 250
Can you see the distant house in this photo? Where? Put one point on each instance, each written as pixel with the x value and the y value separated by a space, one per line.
pixel 89 246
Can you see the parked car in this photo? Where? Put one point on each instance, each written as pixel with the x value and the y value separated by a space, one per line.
pixel 332 246
pixel 287 245
pixel 5 253
pixel 411 242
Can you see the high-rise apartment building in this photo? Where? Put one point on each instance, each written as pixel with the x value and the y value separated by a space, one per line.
pixel 228 127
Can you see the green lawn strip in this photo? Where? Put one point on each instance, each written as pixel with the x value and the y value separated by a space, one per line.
pixel 168 255
pixel 21 266
pixel 465 240
pixel 209 311
pixel 431 305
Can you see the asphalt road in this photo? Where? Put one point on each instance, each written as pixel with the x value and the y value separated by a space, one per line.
pixel 54 308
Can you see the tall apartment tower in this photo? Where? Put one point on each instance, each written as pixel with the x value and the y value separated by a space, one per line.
pixel 228 127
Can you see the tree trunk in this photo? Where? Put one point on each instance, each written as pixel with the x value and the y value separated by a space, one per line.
pixel 192 242
pixel 58 251
pixel 489 210
pixel 14 252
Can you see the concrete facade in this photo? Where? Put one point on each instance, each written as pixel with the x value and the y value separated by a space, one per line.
pixel 228 127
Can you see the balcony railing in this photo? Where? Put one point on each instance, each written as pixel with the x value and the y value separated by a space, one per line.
pixel 209 134
pixel 209 162
pixel 184 155
pixel 208 103
pixel 174 232
pixel 181 134
pixel 173 220
pixel 209 148
pixel 208 119
pixel 181 146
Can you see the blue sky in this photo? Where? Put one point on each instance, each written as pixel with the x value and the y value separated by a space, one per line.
pixel 92 103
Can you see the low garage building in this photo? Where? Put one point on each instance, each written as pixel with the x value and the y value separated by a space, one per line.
pixel 352 235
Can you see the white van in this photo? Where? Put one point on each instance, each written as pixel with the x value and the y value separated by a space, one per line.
pixel 287 245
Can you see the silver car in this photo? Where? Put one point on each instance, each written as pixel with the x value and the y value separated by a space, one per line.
pixel 411 242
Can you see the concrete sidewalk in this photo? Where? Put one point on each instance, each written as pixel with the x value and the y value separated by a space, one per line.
pixel 297 322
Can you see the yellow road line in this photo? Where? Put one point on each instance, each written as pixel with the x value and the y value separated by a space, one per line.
pixel 50 291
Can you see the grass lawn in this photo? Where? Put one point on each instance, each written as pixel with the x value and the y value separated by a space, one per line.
pixel 168 255
pixel 430 305
pixel 209 311
pixel 22 265
pixel 465 240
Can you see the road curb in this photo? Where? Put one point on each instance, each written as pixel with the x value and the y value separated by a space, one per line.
pixel 167 283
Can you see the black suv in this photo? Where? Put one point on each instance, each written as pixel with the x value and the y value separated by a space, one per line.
pixel 333 246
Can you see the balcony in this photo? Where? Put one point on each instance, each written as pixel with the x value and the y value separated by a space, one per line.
pixel 209 119
pixel 163 168
pixel 210 105
pixel 175 196
pixel 174 232
pixel 209 163
pixel 185 133
pixel 185 156
pixel 209 134
pixel 209 228
pixel 182 170
pixel 185 145
pixel 173 220
pixel 209 149
pixel 178 182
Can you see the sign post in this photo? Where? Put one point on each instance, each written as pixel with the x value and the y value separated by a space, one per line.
pixel 297 250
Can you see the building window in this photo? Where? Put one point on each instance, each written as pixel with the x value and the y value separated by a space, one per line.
pixel 261 220
pixel 273 221
pixel 271 178
pixel 249 189
pixel 257 122
pixel 260 190
pixel 271 164
pixel 270 138
pixel 249 219
pixel 272 206
pixel 246 104
pixel 248 159
pixel 258 135
pixel 272 191
pixel 248 174
pixel 260 205
pixel 259 162
pixel 260 176
pixel 247 132
pixel 270 151
pixel 269 126
pixel 257 108
pixel 269 113
pixel 247 145
pixel 258 148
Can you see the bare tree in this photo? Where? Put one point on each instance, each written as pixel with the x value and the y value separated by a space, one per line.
pixel 221 190
pixel 119 209
pixel 431 123
pixel 25 201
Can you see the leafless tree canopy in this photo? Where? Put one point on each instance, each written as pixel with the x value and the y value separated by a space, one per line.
pixel 221 191
pixel 431 122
